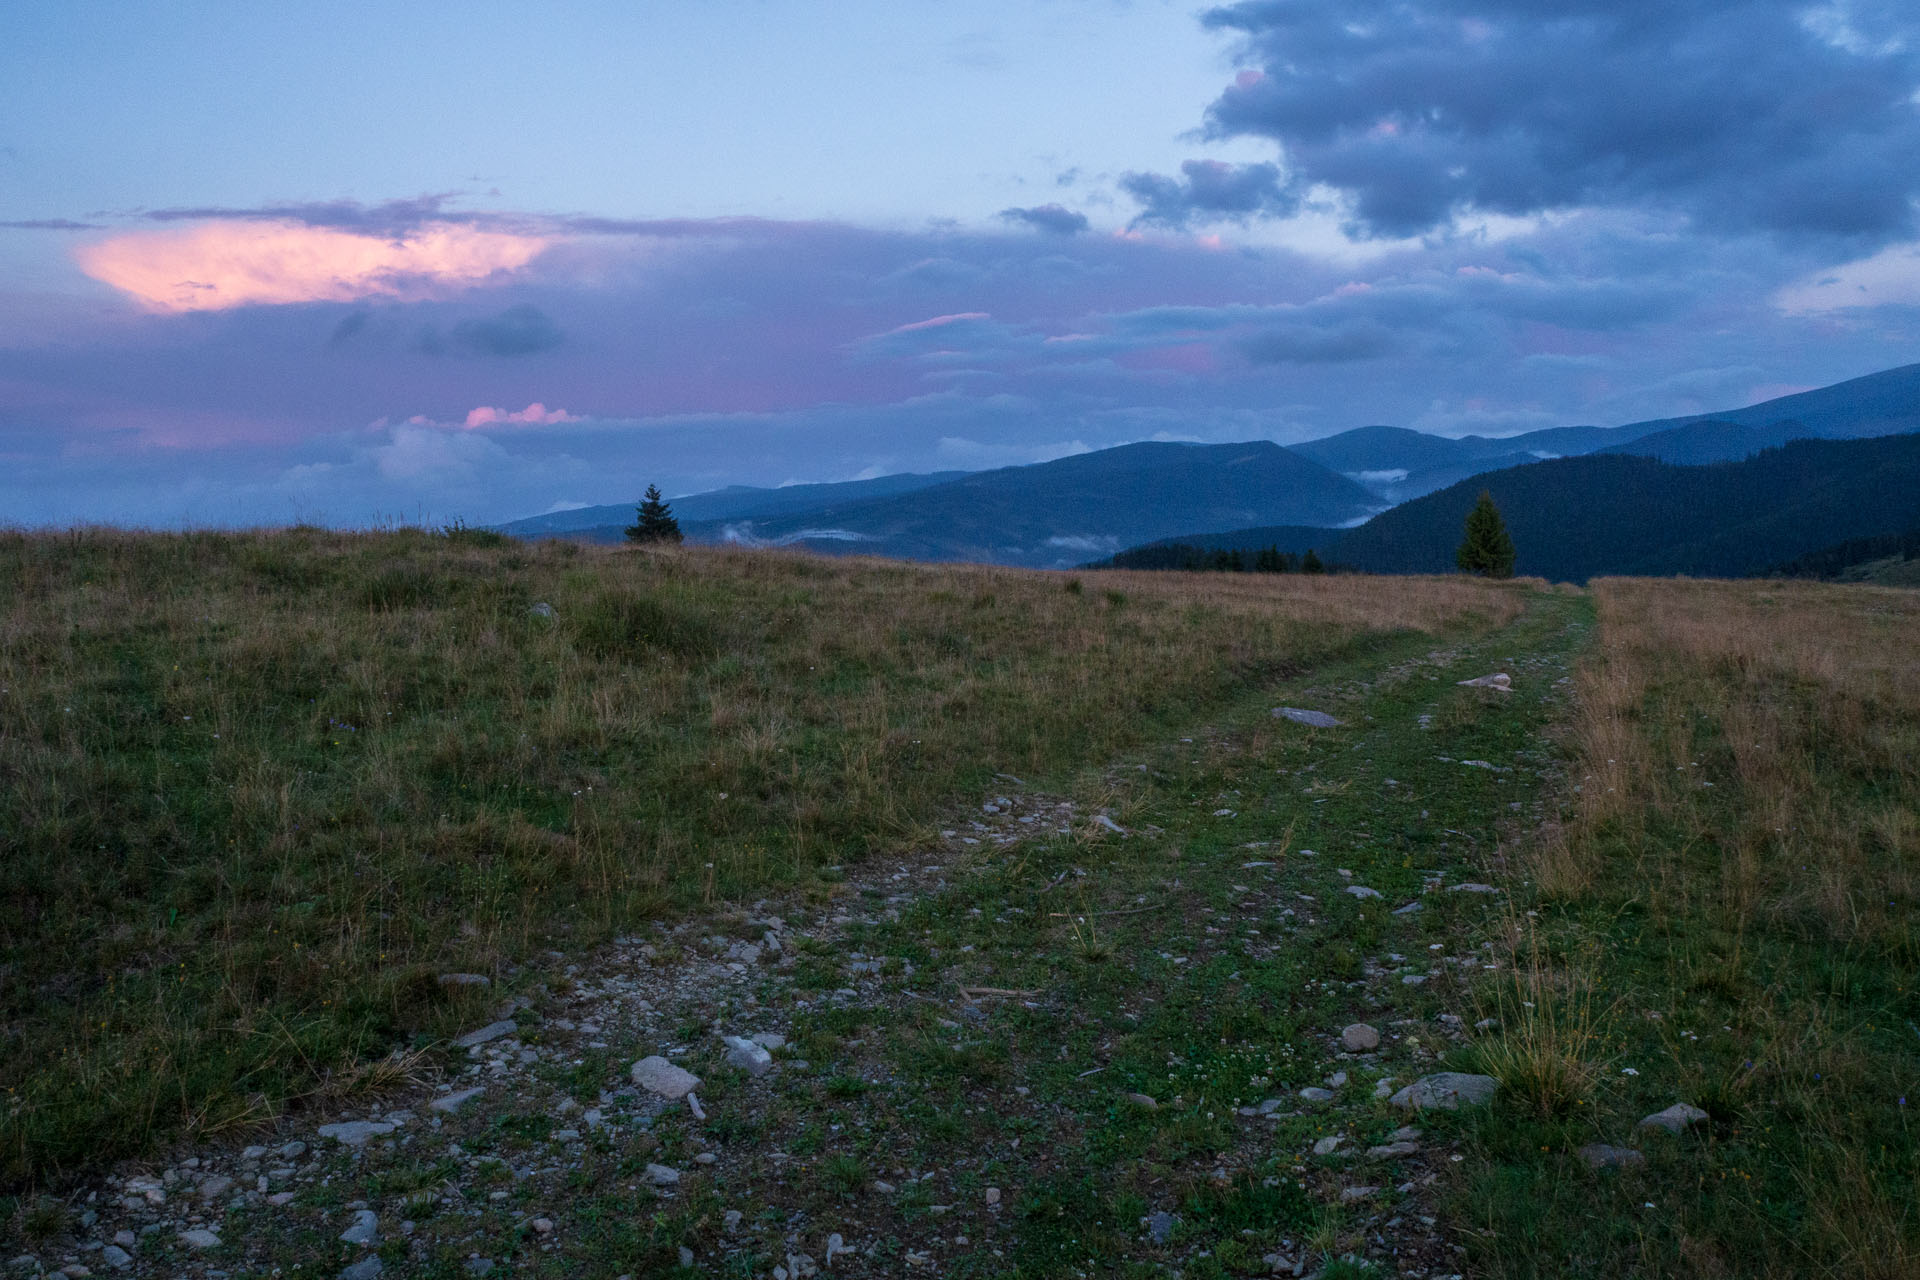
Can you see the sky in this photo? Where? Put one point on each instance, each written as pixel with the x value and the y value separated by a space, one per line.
pixel 369 264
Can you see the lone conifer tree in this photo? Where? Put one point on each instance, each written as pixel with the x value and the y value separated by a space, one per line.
pixel 656 523
pixel 1310 562
pixel 1487 549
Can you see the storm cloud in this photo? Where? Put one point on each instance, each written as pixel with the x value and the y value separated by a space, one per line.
pixel 522 330
pixel 1053 218
pixel 1739 115
pixel 1209 191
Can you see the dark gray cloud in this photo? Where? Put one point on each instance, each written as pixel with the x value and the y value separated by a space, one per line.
pixel 1741 114
pixel 49 224
pixel 389 217
pixel 1054 218
pixel 522 330
pixel 1209 191
pixel 1305 344
pixel 349 328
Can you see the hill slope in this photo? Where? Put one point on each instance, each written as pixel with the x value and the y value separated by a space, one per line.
pixel 1575 518
pixel 734 502
pixel 1062 513
pixel 1399 464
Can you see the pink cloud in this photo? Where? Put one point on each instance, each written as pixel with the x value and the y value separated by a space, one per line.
pixel 224 264
pixel 534 415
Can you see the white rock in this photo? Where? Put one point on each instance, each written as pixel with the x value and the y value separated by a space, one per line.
pixel 1447 1091
pixel 1472 888
pixel 448 1103
pixel 1299 715
pixel 1675 1119
pixel 769 1040
pixel 1329 1144
pixel 487 1034
pixel 1361 891
pixel 354 1132
pixel 661 1176
pixel 365 1228
pixel 465 980
pixel 1359 1037
pixel 114 1256
pixel 657 1075
pixel 200 1238
pixel 366 1269
pixel 748 1056
pixel 1315 1094
pixel 1499 680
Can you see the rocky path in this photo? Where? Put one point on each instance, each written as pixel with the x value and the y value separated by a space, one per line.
pixel 1187 1017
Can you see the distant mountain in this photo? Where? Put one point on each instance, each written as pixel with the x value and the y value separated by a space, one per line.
pixel 1397 464
pixel 1698 443
pixel 735 502
pixel 1295 539
pixel 1576 518
pixel 1063 513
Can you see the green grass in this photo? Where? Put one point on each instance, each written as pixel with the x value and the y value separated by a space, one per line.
pixel 1739 875
pixel 263 788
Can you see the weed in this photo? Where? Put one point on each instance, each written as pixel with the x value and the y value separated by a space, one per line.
pixel 845 1174
pixel 1549 1050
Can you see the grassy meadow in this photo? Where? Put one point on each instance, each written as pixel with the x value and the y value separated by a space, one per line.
pixel 1727 917
pixel 261 789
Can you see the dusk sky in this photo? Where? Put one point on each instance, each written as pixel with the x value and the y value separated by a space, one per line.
pixel 353 263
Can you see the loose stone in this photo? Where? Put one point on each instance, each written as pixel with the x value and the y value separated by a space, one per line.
pixel 487 1034
pixel 1599 1155
pixel 1675 1119
pixel 657 1075
pixel 1446 1091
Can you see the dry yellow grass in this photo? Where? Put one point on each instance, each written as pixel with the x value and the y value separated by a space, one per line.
pixel 1741 871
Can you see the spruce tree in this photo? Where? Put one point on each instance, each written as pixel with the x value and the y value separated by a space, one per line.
pixel 1487 549
pixel 656 522
pixel 1310 562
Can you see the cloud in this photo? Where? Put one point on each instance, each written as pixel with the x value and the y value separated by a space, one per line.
pixel 1054 218
pixel 1209 191
pixel 49 224
pixel 1304 344
pixel 521 330
pixel 1739 114
pixel 225 264
pixel 535 414
pixel 1891 276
